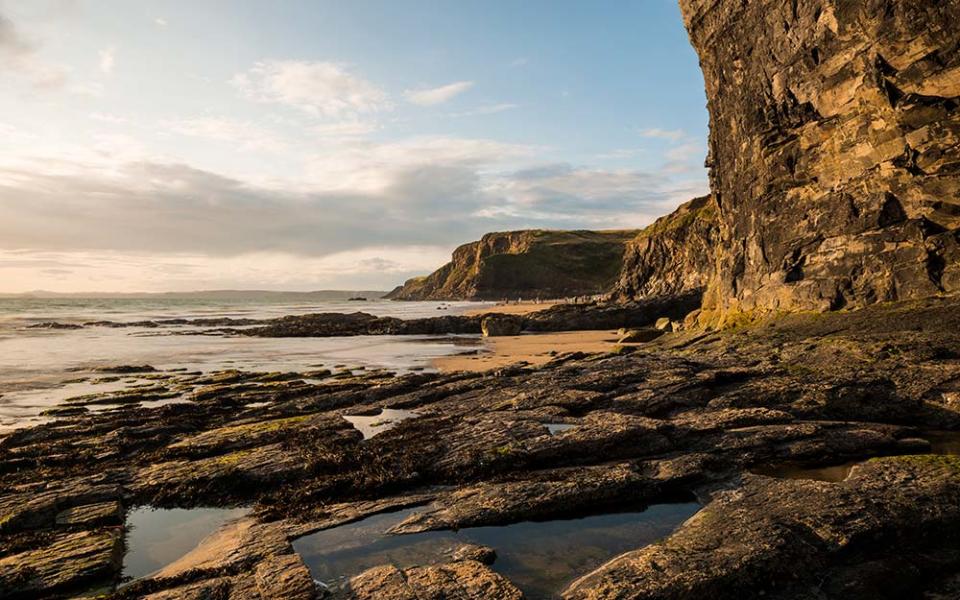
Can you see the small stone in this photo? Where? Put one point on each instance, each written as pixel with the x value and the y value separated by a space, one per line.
pixel 663 324
pixel 481 554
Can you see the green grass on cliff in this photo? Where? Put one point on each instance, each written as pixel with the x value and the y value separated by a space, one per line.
pixel 557 263
pixel 532 263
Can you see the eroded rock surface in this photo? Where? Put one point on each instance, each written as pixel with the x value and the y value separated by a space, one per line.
pixel 794 539
pixel 691 413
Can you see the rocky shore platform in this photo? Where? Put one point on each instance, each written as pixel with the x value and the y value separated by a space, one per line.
pixel 692 414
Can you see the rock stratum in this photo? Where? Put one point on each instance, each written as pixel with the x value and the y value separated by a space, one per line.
pixel 834 150
pixel 527 264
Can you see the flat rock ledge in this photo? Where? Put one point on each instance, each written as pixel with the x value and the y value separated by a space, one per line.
pixel 691 414
pixel 793 539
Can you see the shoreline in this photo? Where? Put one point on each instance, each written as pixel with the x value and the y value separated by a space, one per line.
pixel 533 348
pixel 523 308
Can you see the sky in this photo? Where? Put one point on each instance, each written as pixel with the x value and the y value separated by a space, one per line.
pixel 321 144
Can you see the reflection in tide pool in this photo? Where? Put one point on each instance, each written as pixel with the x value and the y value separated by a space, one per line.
pixel 540 558
pixel 158 537
pixel 555 428
pixel 371 425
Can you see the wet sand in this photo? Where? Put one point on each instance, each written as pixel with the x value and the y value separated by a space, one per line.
pixel 534 348
pixel 524 308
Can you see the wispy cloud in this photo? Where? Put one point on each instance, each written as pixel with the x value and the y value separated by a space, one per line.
pixel 673 135
pixel 487 109
pixel 519 62
pixel 342 129
pixel 247 135
pixel 324 89
pixel 160 22
pixel 437 95
pixel 20 56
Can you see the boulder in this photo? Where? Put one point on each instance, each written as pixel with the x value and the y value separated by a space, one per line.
pixel 501 325
pixel 641 336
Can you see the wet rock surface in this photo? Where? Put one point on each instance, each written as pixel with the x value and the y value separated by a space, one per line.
pixel 690 413
pixel 560 317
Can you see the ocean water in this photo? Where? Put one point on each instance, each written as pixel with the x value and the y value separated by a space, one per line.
pixel 39 367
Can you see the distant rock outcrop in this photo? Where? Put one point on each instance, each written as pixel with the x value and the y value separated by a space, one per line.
pixel 527 264
pixel 672 256
pixel 834 150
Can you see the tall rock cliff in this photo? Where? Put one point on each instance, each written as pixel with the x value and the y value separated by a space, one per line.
pixel 527 264
pixel 834 149
pixel 672 256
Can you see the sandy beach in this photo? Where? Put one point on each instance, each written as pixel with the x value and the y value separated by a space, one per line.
pixel 534 348
pixel 523 308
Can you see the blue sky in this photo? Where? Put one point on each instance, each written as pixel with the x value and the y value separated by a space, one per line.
pixel 305 145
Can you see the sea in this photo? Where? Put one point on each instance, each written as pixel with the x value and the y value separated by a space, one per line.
pixel 39 367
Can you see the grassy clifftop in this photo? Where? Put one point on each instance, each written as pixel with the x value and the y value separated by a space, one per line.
pixel 528 264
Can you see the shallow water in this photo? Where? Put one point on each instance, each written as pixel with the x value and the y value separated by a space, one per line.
pixel 36 364
pixel 387 419
pixel 541 558
pixel 158 537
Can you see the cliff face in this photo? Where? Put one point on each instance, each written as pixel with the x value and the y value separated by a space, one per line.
pixel 834 149
pixel 672 256
pixel 528 264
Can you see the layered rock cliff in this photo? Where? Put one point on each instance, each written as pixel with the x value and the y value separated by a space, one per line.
pixel 834 150
pixel 527 264
pixel 674 255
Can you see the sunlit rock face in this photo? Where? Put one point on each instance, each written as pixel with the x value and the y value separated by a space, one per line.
pixel 834 150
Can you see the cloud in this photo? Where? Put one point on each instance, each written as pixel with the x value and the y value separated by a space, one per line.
pixel 160 22
pixel 565 196
pixel 107 60
pixel 343 129
pixel 438 95
pixel 673 135
pixel 620 154
pixel 374 167
pixel 685 152
pixel 519 62
pixel 247 135
pixel 488 109
pixel 173 209
pixel 20 57
pixel 324 89
pixel 374 267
